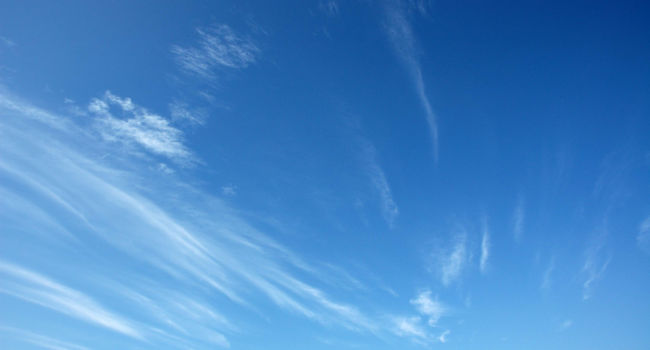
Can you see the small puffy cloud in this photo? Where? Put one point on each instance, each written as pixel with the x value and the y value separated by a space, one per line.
pixel 429 307
pixel 120 120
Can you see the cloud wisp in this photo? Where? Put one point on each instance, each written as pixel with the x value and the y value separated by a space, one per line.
pixel 485 246
pixel 595 263
pixel 449 262
pixel 219 47
pixel 518 218
pixel 429 307
pixel 132 125
pixel 205 250
pixel 35 288
pixel 643 237
pixel 400 34
pixel 379 182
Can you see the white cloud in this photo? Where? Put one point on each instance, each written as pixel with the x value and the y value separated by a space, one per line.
pixel 7 42
pixel 485 246
pixel 30 286
pixel 566 325
pixel 451 261
pixel 409 327
pixel 443 337
pixel 229 190
pixel 181 112
pixel 330 7
pixel 596 262
pixel 196 241
pixel 131 124
pixel 218 47
pixel 40 340
pixel 431 308
pixel 643 238
pixel 546 278
pixel 404 43
pixel 518 219
pixel 378 179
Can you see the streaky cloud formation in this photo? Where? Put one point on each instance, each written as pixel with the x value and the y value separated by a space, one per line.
pixel 518 219
pixel 595 263
pixel 485 245
pixel 643 237
pixel 400 33
pixel 208 245
pixel 379 181
pixel 35 288
pixel 40 340
pixel 218 47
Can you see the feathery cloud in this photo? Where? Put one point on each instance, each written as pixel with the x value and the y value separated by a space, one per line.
pixel 400 34
pixel 643 238
pixel 596 262
pixel 204 248
pixel 485 245
pixel 378 179
pixel 450 261
pixel 131 124
pixel 219 47
pixel 429 307
pixel 518 219
pixel 35 288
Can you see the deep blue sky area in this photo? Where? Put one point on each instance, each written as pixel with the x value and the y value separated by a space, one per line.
pixel 326 174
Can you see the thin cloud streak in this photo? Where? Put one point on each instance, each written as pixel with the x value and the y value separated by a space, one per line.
pixel 518 219
pixel 379 181
pixel 643 237
pixel 485 246
pixel 35 288
pixel 400 34
pixel 595 264
pixel 208 246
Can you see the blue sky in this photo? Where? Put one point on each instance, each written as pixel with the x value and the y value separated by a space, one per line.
pixel 324 175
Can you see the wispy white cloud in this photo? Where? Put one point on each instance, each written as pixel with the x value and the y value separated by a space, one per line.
pixel 218 47
pixel 330 7
pixel 205 248
pixel 566 325
pixel 7 42
pixel 518 218
pixel 400 34
pixel 548 272
pixel 429 307
pixel 409 327
pixel 40 340
pixel 643 237
pixel 485 245
pixel 131 124
pixel 449 262
pixel 443 337
pixel 595 264
pixel 380 183
pixel 182 112
pixel 35 288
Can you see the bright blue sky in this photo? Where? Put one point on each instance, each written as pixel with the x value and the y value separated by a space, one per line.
pixel 324 175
